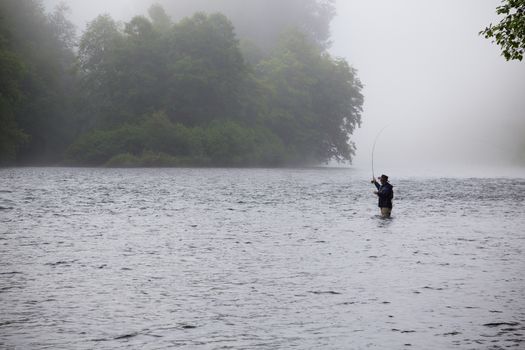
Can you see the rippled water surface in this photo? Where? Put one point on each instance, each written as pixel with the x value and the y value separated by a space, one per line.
pixel 256 258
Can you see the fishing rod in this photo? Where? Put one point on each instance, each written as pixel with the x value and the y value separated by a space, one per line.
pixel 374 148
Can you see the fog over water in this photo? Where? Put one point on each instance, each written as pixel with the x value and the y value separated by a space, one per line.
pixel 449 99
pixel 281 258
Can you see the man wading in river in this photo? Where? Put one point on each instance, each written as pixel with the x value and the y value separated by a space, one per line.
pixel 385 193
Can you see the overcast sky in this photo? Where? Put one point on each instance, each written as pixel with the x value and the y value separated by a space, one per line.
pixel 448 97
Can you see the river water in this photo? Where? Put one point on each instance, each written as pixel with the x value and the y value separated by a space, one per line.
pixel 258 258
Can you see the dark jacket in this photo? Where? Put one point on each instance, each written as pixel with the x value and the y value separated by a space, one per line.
pixel 386 194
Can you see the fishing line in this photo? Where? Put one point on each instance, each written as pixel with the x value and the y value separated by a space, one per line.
pixel 374 148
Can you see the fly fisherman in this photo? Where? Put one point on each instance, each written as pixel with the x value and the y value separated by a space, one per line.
pixel 385 193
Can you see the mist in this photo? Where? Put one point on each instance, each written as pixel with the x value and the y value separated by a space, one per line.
pixel 261 21
pixel 197 174
pixel 446 96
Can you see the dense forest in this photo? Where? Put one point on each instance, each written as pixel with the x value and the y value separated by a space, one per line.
pixel 159 92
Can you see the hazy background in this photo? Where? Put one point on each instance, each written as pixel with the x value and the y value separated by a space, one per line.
pixel 449 99
pixel 448 96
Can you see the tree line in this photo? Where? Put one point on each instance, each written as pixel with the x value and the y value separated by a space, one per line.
pixel 153 92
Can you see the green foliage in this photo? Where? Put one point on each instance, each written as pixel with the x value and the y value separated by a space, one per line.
pixel 207 68
pixel 98 56
pixel 228 143
pixel 98 146
pixel 509 33
pixel 11 73
pixel 39 123
pixel 192 70
pixel 153 92
pixel 156 140
pixel 315 101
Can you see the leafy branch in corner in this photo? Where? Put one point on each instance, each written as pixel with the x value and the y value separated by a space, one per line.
pixel 509 33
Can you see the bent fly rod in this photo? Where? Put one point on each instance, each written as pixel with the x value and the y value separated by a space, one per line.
pixel 374 148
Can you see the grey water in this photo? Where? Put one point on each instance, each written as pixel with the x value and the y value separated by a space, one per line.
pixel 258 259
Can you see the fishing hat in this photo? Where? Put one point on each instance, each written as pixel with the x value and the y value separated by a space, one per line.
pixel 384 177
